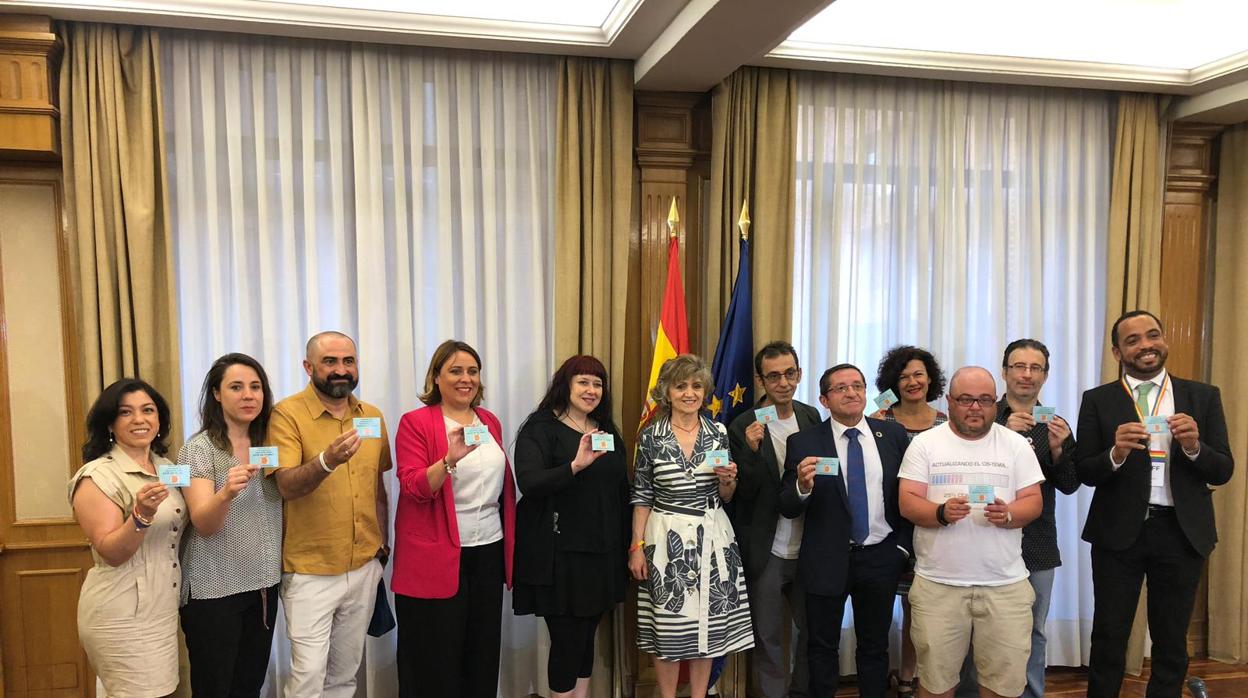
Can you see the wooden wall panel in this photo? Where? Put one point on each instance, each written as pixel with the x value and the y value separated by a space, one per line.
pixel 1190 175
pixel 29 118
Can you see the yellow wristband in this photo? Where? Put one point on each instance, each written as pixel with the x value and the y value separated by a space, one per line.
pixel 637 546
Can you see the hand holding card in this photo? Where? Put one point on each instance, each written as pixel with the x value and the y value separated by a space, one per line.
pixel 263 456
pixel 766 415
pixel 174 475
pixel 367 427
pixel 476 435
pixel 827 466
pixel 886 399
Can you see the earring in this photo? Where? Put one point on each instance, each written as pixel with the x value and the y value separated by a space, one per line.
pixel 110 436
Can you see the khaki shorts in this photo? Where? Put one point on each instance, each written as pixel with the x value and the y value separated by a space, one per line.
pixel 996 621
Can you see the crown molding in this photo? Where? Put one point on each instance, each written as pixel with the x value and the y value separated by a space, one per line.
pixel 254 15
pixel 989 68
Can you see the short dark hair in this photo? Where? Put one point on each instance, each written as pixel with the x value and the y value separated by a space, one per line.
pixel 104 412
pixel 1025 344
pixel 826 378
pixel 1113 331
pixel 212 417
pixel 894 362
pixel 771 350
pixel 560 390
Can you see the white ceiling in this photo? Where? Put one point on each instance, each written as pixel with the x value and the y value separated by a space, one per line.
pixel 1186 47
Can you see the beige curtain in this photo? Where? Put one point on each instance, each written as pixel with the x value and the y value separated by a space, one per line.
pixel 1228 583
pixel 753 123
pixel 114 167
pixel 596 293
pixel 1134 249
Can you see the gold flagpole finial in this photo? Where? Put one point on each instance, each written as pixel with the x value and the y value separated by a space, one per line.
pixel 743 223
pixel 673 217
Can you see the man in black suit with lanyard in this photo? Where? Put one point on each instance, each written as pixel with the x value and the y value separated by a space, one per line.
pixel 855 542
pixel 1152 445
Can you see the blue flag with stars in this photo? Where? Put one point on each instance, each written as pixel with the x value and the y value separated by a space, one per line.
pixel 733 369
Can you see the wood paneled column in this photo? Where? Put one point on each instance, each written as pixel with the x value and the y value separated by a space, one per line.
pixel 1191 173
pixel 29 118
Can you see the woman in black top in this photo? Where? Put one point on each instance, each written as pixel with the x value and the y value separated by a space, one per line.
pixel 571 562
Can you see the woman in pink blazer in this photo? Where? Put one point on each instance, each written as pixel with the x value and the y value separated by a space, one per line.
pixel 454 533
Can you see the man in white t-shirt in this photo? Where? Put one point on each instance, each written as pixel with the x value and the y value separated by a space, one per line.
pixel 970 486
pixel 769 542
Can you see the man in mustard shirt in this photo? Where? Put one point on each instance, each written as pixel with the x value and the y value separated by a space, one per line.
pixel 336 526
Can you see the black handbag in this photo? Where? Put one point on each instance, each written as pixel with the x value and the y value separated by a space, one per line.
pixel 383 619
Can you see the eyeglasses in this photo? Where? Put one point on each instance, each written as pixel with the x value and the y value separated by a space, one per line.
pixel 789 374
pixel 985 401
pixel 1028 368
pixel 846 387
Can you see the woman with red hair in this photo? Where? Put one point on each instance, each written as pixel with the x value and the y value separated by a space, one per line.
pixel 571 564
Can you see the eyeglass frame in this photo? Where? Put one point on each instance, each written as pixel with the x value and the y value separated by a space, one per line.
pixel 792 375
pixel 984 401
pixel 1021 367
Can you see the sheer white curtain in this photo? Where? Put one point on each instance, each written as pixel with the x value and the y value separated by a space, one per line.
pixel 403 196
pixel 958 217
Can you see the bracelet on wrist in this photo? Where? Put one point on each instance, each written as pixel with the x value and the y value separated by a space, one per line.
pixel 324 465
pixel 940 515
pixel 140 523
pixel 450 468
pixel 637 546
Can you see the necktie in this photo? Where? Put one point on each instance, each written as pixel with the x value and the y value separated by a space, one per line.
pixel 856 474
pixel 1141 396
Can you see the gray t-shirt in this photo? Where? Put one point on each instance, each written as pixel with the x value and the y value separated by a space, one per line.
pixel 246 554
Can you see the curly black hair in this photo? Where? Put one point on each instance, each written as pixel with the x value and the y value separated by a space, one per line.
pixel 105 410
pixel 894 362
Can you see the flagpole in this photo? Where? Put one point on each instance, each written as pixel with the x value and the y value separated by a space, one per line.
pixel 743 222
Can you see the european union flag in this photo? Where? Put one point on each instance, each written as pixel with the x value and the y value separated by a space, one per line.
pixel 733 369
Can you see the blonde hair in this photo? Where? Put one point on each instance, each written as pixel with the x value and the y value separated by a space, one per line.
pixel 675 370
pixel 432 395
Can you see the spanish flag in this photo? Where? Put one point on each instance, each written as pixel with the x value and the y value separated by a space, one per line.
pixel 672 338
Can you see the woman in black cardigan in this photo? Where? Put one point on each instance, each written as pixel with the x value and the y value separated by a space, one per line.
pixel 572 522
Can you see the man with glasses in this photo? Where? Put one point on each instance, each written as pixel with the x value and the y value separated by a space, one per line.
pixel 1152 445
pixel 970 487
pixel 842 474
pixel 769 542
pixel 1025 368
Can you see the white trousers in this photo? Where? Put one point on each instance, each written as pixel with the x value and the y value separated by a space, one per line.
pixel 327 619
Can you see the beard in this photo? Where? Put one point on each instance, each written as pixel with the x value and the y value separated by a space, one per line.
pixel 1136 369
pixel 336 386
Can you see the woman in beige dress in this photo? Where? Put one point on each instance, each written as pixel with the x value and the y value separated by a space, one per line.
pixel 128 606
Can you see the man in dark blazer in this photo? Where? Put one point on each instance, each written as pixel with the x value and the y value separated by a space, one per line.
pixel 1152 513
pixel 855 542
pixel 768 541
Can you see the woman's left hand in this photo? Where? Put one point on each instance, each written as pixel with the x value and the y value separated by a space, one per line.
pixel 727 474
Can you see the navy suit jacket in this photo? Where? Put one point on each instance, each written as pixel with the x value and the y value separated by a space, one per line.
pixel 823 563
pixel 1120 503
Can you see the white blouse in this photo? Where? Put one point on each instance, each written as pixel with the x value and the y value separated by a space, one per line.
pixel 478 485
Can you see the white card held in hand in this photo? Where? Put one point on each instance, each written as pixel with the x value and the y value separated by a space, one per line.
pixel 827 466
pixel 717 458
pixel 1043 414
pixel 367 427
pixel 1156 424
pixel 602 442
pixel 174 475
pixel 885 399
pixel 263 456
pixel 476 434
pixel 766 415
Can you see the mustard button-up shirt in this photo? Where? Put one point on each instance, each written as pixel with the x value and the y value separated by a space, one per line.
pixel 333 529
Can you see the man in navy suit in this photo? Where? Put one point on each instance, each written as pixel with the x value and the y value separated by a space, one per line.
pixel 1152 445
pixel 855 542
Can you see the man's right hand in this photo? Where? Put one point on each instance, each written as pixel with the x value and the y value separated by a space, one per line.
pixel 1130 436
pixel 754 435
pixel 343 447
pixel 956 509
pixel 1020 422
pixel 806 474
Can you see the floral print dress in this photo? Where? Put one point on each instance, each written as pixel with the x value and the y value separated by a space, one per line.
pixel 694 603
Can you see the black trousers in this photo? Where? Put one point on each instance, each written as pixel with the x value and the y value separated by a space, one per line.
pixel 1162 554
pixel 228 642
pixel 571 650
pixel 872 585
pixel 449 648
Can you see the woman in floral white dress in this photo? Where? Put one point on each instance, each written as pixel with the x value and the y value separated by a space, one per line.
pixel 692 604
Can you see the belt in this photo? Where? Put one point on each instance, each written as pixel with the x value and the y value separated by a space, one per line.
pixel 687 511
pixel 1157 511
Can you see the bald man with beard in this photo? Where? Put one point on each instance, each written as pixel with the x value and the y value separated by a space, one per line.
pixel 970 486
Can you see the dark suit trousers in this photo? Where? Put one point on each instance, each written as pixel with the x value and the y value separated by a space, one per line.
pixel 872 586
pixel 1162 554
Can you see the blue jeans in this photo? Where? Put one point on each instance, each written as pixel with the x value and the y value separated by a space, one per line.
pixel 1042 583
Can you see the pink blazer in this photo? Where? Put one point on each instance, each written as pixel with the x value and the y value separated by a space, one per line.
pixel 426 532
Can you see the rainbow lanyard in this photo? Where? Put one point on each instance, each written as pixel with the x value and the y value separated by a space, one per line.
pixel 1156 405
